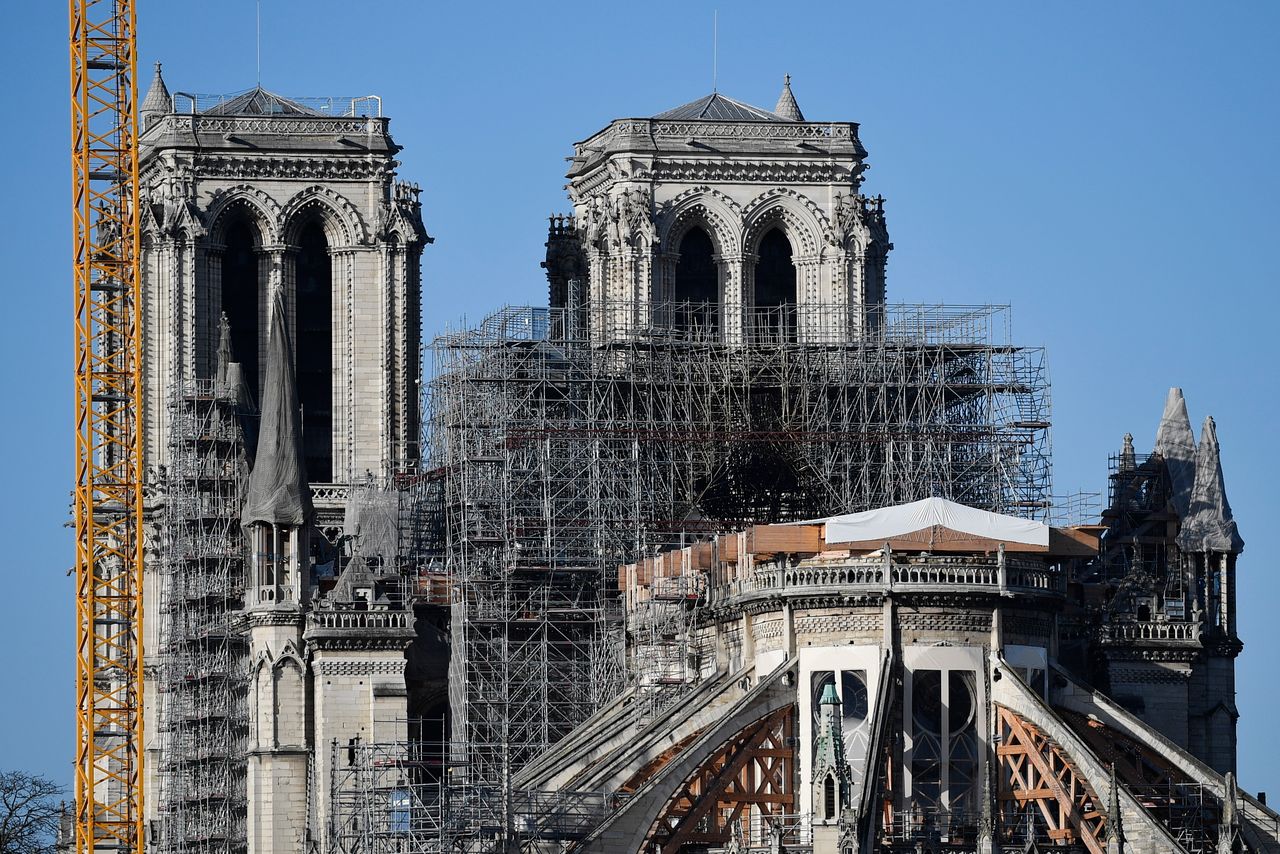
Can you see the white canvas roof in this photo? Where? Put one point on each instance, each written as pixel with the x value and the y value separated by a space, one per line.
pixel 889 522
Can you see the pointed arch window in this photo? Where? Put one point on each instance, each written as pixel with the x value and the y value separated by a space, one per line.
pixel 313 316
pixel 696 293
pixel 241 293
pixel 775 287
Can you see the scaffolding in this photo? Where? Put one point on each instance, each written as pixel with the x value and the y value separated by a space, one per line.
pixel 201 676
pixel 558 450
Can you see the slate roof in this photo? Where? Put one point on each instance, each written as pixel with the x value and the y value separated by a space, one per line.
pixel 720 108
pixel 158 99
pixel 787 106
pixel 259 102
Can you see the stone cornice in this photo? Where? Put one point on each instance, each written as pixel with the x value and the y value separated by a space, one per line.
pixel 288 615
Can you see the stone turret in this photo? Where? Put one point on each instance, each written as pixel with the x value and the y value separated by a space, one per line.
pixel 787 107
pixel 158 101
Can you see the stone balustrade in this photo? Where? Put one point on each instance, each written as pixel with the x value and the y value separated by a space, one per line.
pixel 872 574
pixel 1154 630
pixel 335 619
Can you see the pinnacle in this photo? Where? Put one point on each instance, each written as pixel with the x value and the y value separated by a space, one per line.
pixel 787 107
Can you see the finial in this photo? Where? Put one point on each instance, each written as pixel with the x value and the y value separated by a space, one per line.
pixel 786 79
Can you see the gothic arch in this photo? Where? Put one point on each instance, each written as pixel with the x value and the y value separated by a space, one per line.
pixel 701 206
pixel 289 655
pixel 801 220
pixel 262 210
pixel 343 225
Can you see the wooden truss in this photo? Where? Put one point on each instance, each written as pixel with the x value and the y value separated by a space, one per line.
pixel 753 769
pixel 1037 770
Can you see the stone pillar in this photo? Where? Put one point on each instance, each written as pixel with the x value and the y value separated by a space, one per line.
pixel 357 671
pixel 731 301
pixel 278 733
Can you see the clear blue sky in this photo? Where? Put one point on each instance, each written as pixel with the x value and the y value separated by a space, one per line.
pixel 1107 168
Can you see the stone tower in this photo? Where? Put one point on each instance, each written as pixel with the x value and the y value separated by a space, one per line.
pixel 261 192
pixel 282 311
pixel 729 221
pixel 1170 639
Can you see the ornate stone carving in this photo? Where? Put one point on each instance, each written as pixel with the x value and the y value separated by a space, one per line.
pixel 343 214
pixel 245 167
pixel 803 220
pixel 705 206
pixel 753 171
pixel 358 667
pixel 169 210
pixel 265 209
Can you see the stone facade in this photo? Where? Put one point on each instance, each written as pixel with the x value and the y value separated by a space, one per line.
pixel 641 186
pixel 280 259
pixel 260 186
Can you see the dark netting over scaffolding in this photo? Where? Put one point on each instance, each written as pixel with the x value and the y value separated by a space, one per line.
pixel 555 456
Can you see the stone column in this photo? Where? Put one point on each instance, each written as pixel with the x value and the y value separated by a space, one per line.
pixel 734 300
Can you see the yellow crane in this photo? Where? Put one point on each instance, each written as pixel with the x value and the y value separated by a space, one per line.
pixel 108 412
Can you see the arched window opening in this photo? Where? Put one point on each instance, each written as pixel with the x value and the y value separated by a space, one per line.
pixel 775 287
pixel 697 287
pixel 241 298
pixel 314 281
pixel 829 797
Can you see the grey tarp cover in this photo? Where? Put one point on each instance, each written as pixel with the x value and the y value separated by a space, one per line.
pixel 373 520
pixel 1177 445
pixel 1209 526
pixel 278 491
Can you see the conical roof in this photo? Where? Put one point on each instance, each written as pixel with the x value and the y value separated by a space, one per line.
pixel 1177 445
pixel 787 107
pixel 259 102
pixel 278 492
pixel 158 100
pixel 1209 525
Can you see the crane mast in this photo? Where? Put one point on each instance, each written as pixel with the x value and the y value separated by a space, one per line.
pixel 108 412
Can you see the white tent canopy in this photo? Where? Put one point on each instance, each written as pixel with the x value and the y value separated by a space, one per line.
pixel 889 522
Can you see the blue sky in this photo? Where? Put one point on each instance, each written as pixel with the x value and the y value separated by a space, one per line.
pixel 1106 168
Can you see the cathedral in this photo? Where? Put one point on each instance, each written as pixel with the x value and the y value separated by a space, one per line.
pixel 718 550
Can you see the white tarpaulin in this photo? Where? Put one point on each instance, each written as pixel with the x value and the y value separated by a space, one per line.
pixel 889 522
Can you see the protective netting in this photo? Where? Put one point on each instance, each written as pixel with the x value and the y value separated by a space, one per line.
pixel 277 492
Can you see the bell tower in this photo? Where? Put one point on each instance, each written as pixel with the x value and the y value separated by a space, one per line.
pixel 721 221
pixel 247 194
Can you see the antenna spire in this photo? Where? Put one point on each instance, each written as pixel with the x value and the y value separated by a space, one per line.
pixel 259 42
pixel 715 49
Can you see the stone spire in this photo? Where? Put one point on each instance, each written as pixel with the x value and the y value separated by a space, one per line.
pixel 1115 830
pixel 1209 525
pixel 787 106
pixel 158 101
pixel 1177 445
pixel 1229 826
pixel 278 493
pixel 829 763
